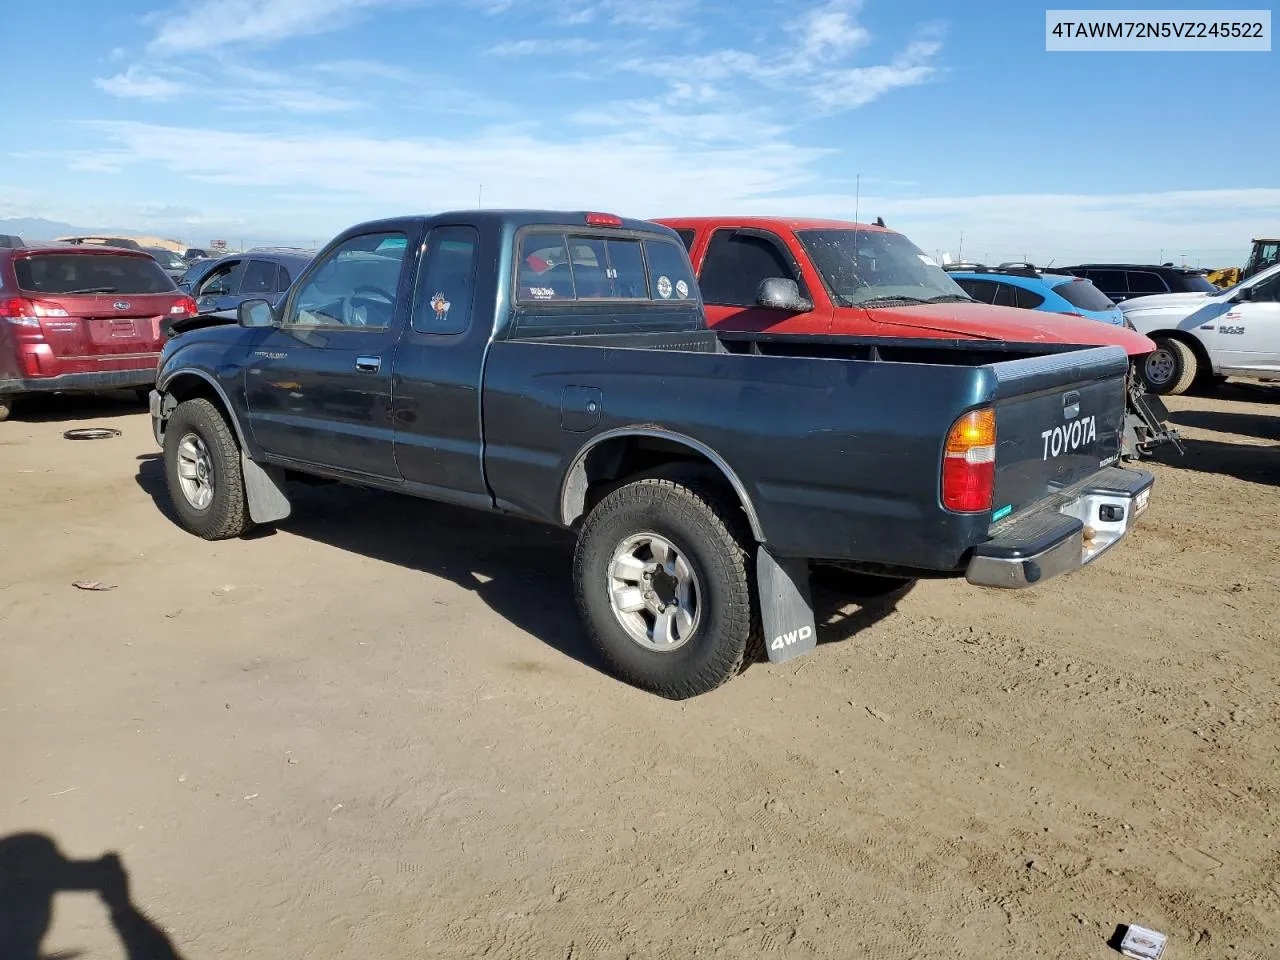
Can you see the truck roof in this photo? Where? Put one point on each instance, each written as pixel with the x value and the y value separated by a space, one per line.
pixel 793 223
pixel 522 217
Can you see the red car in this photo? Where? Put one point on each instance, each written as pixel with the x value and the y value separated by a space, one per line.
pixel 82 318
pixel 856 279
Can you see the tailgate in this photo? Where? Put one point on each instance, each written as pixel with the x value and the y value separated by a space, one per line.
pixel 1059 419
pixel 98 325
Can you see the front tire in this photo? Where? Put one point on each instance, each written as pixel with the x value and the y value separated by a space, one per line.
pixel 202 471
pixel 1170 369
pixel 662 573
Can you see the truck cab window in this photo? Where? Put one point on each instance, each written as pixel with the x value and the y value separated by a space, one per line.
pixel 446 283
pixel 353 285
pixel 544 272
pixel 735 265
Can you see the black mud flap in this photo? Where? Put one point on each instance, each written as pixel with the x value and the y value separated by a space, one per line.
pixel 264 488
pixel 786 609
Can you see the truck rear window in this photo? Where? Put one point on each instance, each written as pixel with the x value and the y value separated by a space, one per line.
pixel 566 267
pixel 65 274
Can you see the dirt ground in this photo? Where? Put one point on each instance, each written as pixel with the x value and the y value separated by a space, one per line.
pixel 377 733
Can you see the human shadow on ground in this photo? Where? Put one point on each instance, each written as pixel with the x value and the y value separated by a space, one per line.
pixel 33 870
pixel 520 569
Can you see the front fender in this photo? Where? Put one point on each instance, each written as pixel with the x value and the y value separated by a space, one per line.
pixel 203 368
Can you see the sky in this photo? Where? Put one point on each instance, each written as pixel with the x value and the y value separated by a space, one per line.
pixel 289 120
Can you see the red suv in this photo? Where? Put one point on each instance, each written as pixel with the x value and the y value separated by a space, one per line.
pixel 82 318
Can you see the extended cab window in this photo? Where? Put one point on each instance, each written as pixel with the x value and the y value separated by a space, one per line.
pixel 686 237
pixel 446 283
pixel 735 265
pixel 353 285
pixel 669 273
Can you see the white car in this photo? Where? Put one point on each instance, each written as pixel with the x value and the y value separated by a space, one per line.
pixel 1205 337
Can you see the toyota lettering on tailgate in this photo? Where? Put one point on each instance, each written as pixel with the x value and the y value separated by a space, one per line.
pixel 1069 438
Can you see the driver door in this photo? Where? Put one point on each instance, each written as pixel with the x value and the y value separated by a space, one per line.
pixel 1248 336
pixel 318 386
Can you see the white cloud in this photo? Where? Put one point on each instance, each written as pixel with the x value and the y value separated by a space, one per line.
pixel 1213 225
pixel 814 76
pixel 137 83
pixel 830 28
pixel 647 172
pixel 202 26
pixel 555 46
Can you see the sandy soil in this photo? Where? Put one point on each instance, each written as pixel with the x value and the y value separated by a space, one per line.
pixel 377 733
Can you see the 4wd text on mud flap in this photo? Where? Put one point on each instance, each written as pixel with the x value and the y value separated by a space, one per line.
pixel 1070 437
pixel 790 637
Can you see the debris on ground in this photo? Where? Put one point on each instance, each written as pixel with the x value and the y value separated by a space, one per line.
pixel 93 585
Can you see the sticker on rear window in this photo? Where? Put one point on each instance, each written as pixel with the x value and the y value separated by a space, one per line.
pixel 682 290
pixel 664 288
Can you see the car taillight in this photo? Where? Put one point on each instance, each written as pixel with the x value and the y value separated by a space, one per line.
pixel 969 464
pixel 185 307
pixel 23 312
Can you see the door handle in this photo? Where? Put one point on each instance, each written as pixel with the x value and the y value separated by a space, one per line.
pixel 368 364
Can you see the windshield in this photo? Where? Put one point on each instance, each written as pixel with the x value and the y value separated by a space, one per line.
pixel 861 266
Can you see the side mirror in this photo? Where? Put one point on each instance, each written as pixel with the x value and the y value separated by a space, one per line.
pixel 185 286
pixel 776 293
pixel 1244 293
pixel 255 313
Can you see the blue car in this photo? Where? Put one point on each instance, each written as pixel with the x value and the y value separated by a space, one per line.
pixel 222 284
pixel 1022 285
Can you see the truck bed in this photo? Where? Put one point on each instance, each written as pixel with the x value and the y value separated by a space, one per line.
pixel 836 441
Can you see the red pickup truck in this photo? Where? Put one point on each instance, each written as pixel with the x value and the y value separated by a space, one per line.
pixel 790 275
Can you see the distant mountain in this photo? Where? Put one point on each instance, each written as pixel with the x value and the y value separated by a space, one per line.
pixel 32 229
pixel 37 228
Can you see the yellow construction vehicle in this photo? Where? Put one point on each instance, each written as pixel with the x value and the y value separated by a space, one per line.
pixel 1226 277
pixel 1265 253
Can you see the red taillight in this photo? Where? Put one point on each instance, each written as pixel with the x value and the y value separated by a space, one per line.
pixel 969 463
pixel 22 312
pixel 185 307
pixel 603 220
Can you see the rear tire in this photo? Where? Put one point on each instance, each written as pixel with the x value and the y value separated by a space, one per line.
pixel 6 408
pixel 1170 369
pixel 707 537
pixel 202 471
